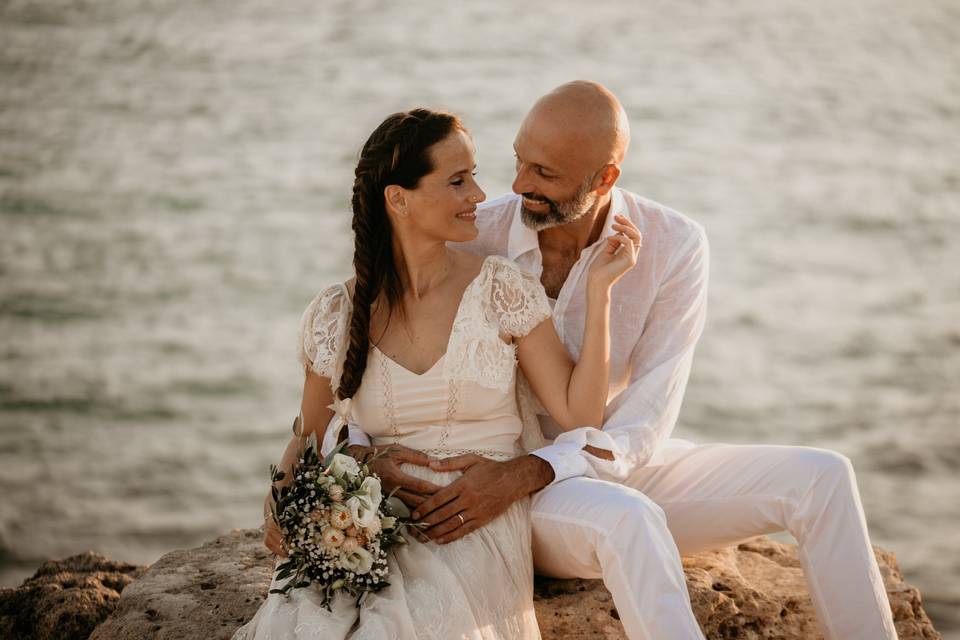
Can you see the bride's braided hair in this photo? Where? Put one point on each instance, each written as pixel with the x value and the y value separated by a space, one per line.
pixel 397 152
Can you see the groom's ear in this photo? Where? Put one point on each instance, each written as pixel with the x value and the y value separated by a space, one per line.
pixel 606 179
pixel 396 199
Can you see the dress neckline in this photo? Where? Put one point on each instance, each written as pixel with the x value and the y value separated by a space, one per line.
pixel 456 316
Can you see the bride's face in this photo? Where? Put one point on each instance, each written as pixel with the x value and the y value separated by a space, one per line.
pixel 443 205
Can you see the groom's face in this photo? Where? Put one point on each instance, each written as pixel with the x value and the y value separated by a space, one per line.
pixel 556 173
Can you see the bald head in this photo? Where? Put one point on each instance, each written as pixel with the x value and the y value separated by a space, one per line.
pixel 569 150
pixel 585 116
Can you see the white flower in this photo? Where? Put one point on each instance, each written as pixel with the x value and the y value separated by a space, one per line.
pixel 359 561
pixel 388 522
pixel 373 528
pixel 335 492
pixel 361 511
pixel 333 537
pixel 349 545
pixel 342 465
pixel 340 516
pixel 371 489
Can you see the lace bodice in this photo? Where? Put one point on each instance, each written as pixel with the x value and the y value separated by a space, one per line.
pixel 467 401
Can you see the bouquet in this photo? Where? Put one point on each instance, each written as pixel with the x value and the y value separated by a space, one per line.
pixel 336 524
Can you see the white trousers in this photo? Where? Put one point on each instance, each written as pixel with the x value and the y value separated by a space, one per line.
pixel 707 497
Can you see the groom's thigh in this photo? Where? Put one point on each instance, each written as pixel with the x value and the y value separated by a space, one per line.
pixel 717 495
pixel 579 520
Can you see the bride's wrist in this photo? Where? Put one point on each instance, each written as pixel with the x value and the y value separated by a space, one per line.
pixel 598 289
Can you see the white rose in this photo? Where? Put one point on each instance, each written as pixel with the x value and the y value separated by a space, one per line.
pixel 361 511
pixel 359 561
pixel 370 487
pixel 333 537
pixel 336 493
pixel 342 465
pixel 349 545
pixel 340 516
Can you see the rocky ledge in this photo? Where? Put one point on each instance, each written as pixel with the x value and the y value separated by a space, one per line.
pixel 751 592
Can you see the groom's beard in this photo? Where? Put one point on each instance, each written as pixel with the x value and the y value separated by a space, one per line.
pixel 560 213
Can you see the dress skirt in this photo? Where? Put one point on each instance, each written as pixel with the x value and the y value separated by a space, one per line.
pixel 479 587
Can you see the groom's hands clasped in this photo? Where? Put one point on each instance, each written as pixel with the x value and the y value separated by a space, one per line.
pixel 486 489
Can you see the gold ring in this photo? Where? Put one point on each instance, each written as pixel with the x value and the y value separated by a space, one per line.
pixel 460 515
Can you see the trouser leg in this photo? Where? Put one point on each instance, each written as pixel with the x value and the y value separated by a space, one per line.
pixel 585 528
pixel 718 495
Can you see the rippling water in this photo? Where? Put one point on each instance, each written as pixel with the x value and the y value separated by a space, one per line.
pixel 174 185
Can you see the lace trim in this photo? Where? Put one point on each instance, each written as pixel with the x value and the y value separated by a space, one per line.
pixel 453 398
pixel 386 381
pixel 486 453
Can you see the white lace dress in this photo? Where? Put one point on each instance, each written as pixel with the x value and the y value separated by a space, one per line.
pixel 481 586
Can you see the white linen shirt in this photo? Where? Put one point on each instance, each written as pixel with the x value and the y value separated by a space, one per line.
pixel 657 314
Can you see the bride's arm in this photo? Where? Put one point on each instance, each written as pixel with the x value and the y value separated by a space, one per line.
pixel 575 394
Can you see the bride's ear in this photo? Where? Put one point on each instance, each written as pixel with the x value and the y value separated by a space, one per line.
pixel 395 198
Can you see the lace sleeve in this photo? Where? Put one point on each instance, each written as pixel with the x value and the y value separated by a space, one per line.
pixel 519 299
pixel 322 328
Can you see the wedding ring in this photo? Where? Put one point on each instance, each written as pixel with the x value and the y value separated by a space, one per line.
pixel 462 522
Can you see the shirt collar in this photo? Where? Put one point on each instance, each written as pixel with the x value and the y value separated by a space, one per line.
pixel 523 239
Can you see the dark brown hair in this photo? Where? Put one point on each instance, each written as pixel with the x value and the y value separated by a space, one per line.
pixel 397 152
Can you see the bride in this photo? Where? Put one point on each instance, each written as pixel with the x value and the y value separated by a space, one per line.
pixel 420 350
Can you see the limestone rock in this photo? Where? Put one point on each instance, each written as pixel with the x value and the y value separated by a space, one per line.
pixel 751 592
pixel 195 593
pixel 65 598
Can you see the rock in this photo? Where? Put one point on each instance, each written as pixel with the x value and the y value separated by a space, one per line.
pixel 195 593
pixel 753 591
pixel 65 598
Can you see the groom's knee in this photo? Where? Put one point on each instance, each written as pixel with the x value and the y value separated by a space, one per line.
pixel 823 465
pixel 644 512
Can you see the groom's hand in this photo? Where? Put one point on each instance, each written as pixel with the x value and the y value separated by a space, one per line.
pixel 485 490
pixel 412 491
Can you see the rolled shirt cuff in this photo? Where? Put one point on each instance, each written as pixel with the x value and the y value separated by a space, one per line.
pixel 568 459
pixel 565 459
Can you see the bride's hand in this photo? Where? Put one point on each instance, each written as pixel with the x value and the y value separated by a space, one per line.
pixel 272 537
pixel 618 256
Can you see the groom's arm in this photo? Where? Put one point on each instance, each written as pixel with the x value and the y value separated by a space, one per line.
pixel 643 415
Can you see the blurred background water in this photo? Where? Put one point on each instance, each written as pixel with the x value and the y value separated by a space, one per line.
pixel 174 184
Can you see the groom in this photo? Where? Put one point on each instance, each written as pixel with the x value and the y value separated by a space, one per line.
pixel 622 502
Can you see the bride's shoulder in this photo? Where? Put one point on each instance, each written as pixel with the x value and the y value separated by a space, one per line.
pixel 507 272
pixel 331 300
pixel 516 296
pixel 322 327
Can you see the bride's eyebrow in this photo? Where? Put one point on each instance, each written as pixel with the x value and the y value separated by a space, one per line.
pixel 454 175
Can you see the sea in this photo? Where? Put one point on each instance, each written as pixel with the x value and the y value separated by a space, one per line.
pixel 174 189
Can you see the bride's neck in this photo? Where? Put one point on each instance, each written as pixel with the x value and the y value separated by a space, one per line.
pixel 421 267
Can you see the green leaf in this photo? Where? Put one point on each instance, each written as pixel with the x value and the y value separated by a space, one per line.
pixel 397 507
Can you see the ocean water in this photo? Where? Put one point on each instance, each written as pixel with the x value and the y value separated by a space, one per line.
pixel 174 184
